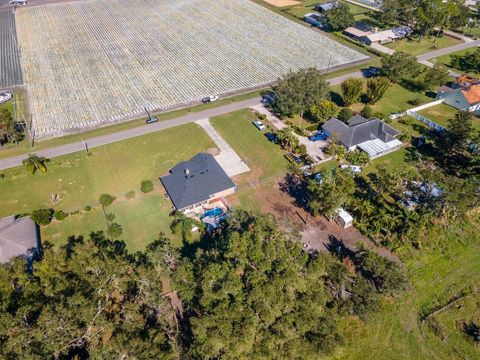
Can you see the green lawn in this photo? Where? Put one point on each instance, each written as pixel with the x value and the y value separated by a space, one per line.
pixel 264 158
pixel 445 60
pixel 115 168
pixel 439 113
pixel 395 332
pixel 142 219
pixel 396 99
pixel 414 47
pixel 25 146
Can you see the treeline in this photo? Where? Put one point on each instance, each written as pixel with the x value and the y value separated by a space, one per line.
pixel 249 291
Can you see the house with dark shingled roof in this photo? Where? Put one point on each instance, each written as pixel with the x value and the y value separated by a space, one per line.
pixel 373 136
pixel 197 182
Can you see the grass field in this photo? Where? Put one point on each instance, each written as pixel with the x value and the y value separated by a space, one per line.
pixel 142 219
pixel 115 168
pixel 439 113
pixel 396 332
pixel 396 99
pixel 264 158
pixel 445 60
pixel 414 47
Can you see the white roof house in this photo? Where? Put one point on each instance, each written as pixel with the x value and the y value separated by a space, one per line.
pixel 343 218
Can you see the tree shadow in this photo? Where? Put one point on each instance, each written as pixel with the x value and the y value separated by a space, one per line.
pixel 336 98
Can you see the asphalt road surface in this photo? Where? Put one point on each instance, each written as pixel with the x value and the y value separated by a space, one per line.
pixel 448 50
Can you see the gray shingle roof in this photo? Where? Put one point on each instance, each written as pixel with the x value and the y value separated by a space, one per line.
pixel 18 236
pixel 359 131
pixel 193 181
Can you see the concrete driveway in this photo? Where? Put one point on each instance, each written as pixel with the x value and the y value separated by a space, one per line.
pixel 228 159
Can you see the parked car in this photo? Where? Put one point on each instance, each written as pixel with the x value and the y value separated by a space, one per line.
pixel 319 136
pixel 271 137
pixel 268 99
pixel 354 168
pixel 371 71
pixel 259 125
pixel 210 98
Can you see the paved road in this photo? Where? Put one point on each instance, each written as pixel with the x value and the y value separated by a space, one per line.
pixel 447 50
pixel 146 129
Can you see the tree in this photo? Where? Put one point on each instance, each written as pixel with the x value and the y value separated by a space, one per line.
pixel 7 125
pixel 60 215
pixel 357 157
pixel 400 66
pixel 252 290
pixel 114 230
pixel 34 163
pixel 367 112
pixel 340 17
pixel 146 186
pixel 345 114
pixel 324 110
pixel 460 129
pixel 287 139
pixel 183 226
pixel 297 92
pixel 351 90
pixel 87 299
pixel 376 89
pixel 332 193
pixel 42 216
pixel 433 77
pixel 106 200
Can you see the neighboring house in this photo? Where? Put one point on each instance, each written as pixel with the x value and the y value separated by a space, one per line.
pixel 462 97
pixel 197 182
pixel 314 19
pixel 325 7
pixel 343 218
pixel 18 237
pixel 373 136
pixel 368 35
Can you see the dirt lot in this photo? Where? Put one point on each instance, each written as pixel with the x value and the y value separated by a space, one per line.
pixel 281 3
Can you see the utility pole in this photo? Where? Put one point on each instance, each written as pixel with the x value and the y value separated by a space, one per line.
pixel 85 146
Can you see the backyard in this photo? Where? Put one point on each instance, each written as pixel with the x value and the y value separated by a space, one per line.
pixel 415 47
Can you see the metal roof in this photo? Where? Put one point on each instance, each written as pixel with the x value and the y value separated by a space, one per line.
pixel 377 147
pixel 18 236
pixel 195 180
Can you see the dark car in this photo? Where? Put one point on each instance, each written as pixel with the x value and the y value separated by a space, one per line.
pixel 371 71
pixel 271 137
pixel 269 99
pixel 151 120
pixel 319 136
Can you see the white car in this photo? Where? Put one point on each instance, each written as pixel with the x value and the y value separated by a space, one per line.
pixel 354 168
pixel 18 2
pixel 210 98
pixel 259 125
pixel 4 97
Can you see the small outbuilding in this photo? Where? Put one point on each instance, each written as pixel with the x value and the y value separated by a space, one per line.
pixel 19 236
pixel 343 218
pixel 325 7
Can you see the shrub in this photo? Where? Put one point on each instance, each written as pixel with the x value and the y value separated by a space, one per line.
pixel 345 114
pixel 146 186
pixel 367 112
pixel 301 149
pixel 87 208
pixel 115 230
pixel 110 216
pixel 106 199
pixel 60 215
pixel 262 116
pixel 130 194
pixel 42 216
pixel 357 157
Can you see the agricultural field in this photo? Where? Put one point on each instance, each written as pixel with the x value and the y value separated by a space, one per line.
pixel 10 69
pixel 161 55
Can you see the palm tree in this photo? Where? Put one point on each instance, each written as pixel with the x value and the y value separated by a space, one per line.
pixel 183 225
pixel 287 138
pixel 34 163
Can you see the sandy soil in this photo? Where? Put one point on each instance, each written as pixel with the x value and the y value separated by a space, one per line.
pixel 281 3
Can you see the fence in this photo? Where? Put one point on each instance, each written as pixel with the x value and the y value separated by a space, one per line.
pixel 431 124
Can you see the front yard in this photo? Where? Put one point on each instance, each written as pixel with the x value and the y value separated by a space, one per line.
pixel 415 47
pixel 445 61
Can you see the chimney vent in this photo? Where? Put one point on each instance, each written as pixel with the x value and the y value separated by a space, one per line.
pixel 187 171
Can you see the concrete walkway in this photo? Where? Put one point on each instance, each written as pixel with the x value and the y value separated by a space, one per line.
pixel 228 158
pixel 383 49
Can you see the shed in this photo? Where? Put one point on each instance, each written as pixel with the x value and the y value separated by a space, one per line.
pixel 343 218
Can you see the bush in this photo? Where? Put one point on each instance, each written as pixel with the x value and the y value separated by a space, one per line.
pixel 345 114
pixel 130 194
pixel 42 216
pixel 300 149
pixel 110 217
pixel 60 215
pixel 146 186
pixel 87 208
pixel 262 116
pixel 115 230
pixel 356 157
pixel 367 112
pixel 106 199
